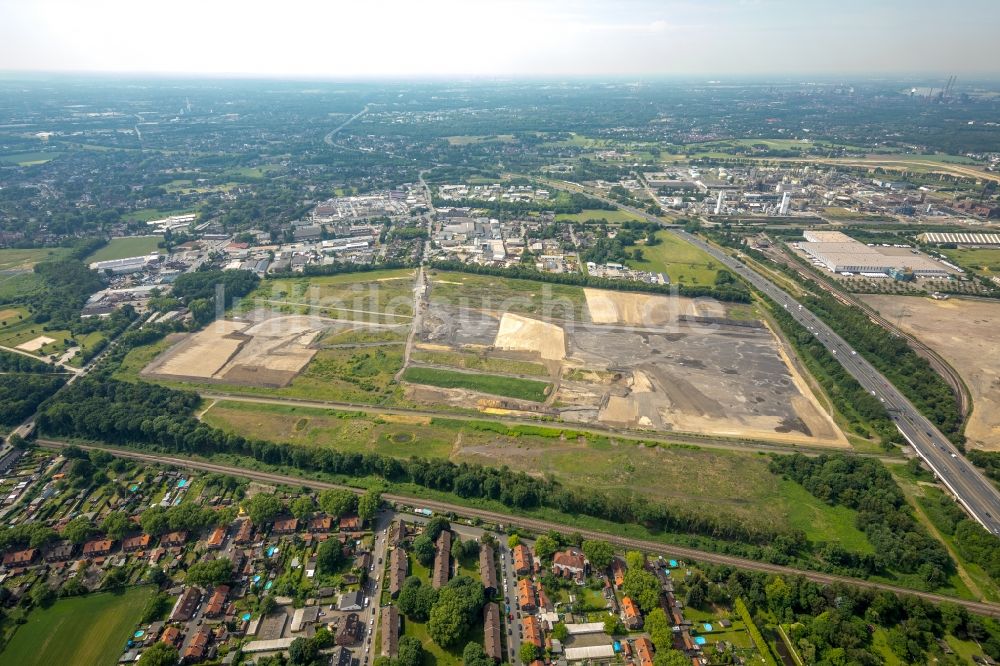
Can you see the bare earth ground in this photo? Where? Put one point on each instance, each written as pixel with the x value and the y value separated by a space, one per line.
pixel 35 344
pixel 966 334
pixel 639 366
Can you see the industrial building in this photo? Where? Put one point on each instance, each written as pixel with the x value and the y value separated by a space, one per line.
pixel 840 253
pixel 127 265
pixel 985 240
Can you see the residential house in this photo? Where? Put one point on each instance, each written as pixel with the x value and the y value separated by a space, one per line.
pixel 523 564
pixel 172 636
pixel 491 632
pixel 216 539
pixel 285 526
pixel 618 571
pixel 59 552
pixel 217 602
pixel 631 614
pixel 532 630
pixel 97 547
pixel 138 542
pixel 644 651
pixel 398 564
pixel 349 524
pixel 442 560
pixel 570 563
pixel 244 534
pixel 174 539
pixel 186 605
pixel 197 647
pixel 488 569
pixel 351 601
pixel 350 630
pixel 527 600
pixel 390 631
pixel 21 558
pixel 321 524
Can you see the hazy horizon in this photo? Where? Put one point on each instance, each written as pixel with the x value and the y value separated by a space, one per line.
pixel 518 39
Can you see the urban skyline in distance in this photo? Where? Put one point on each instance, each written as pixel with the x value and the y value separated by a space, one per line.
pixel 445 38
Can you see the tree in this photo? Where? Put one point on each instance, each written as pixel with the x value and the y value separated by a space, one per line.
pixel 78 530
pixel 302 652
pixel 416 599
pixel 369 504
pixel 659 628
pixel 42 595
pixel 159 654
pixel 262 508
pixel 210 572
pixel 512 541
pixel 423 549
pixel 635 560
pixel 613 626
pixel 529 652
pixel 303 507
pixel 115 578
pixel 457 607
pixel 600 553
pixel 411 652
pixel 435 526
pixel 545 546
pixel 115 525
pixel 154 520
pixel 475 655
pixel 669 657
pixel 338 502
pixel 266 605
pixel 643 587
pixel 329 557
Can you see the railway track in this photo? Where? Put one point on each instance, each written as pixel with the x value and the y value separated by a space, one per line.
pixel 536 525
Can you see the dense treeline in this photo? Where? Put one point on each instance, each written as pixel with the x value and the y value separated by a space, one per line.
pixel 68 283
pixel 338 268
pixel 11 362
pixel 863 484
pixel 153 416
pixel 20 395
pixel 988 461
pixel 850 398
pixel 198 290
pixel 971 540
pixel 833 624
pixel 732 292
pixel 895 359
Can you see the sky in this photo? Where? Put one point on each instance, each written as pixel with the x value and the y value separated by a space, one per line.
pixel 337 39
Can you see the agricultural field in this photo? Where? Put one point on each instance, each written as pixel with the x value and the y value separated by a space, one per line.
pixel 973 349
pixel 27 336
pixel 80 630
pixel 122 248
pixel 528 297
pixel 683 262
pixel 480 362
pixel 615 216
pixel 29 159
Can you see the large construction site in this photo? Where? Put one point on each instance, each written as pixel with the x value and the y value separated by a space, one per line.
pixel 632 361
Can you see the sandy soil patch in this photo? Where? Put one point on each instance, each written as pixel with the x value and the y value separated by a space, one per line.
pixel 619 307
pixel 204 353
pixel 964 333
pixel 36 344
pixel 523 334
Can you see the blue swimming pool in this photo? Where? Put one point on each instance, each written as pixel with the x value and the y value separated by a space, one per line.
pixel 673 564
pixel 246 617
pixel 707 626
pixel 700 640
pixel 182 483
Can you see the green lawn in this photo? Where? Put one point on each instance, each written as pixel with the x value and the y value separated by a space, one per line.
pixel 512 387
pixel 89 630
pixel 985 260
pixel 821 522
pixel 683 262
pixel 29 159
pixel 477 362
pixel 122 248
pixel 527 297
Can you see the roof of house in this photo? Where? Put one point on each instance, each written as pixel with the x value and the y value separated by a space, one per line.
pixel 644 650
pixel 20 557
pixel 526 594
pixel 532 630
pixel 97 546
pixel 569 559
pixel 487 567
pixel 398 564
pixel 286 525
pixel 195 648
pixel 217 601
pixel 522 558
pixel 136 542
pixel 491 631
pixel 390 631
pixel 217 537
pixel 174 538
pixel 630 609
pixel 349 600
pixel 442 560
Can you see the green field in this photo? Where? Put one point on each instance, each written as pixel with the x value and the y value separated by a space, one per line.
pixel 29 159
pixel 378 296
pixel 477 362
pixel 11 259
pixel 683 262
pixel 122 248
pixel 613 216
pixel 88 630
pixel 526 297
pixel 981 260
pixel 511 387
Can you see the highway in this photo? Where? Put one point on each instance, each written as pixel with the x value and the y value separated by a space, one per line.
pixel 531 524
pixel 974 492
